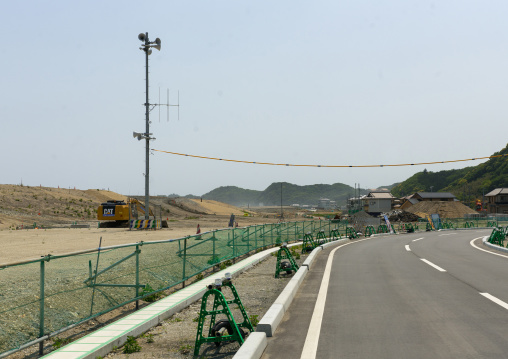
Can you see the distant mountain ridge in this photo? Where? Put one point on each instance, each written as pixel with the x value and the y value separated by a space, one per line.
pixel 291 194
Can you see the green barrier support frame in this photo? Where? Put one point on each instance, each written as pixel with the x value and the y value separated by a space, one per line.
pixel 351 233
pixel 369 231
pixel 497 237
pixel 308 242
pixel 282 254
pixel 335 234
pixel 321 237
pixel 220 306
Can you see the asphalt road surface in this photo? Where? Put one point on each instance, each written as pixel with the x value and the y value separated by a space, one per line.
pixel 422 295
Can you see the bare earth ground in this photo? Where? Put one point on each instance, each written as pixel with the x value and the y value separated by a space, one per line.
pixel 40 242
pixel 52 210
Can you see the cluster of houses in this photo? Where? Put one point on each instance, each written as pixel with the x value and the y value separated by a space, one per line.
pixel 376 202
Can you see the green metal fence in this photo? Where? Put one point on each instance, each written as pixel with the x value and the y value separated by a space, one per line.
pixel 43 297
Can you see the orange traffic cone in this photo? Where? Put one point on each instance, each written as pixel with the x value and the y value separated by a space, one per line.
pixel 199 230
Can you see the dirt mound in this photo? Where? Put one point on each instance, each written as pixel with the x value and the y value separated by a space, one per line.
pixel 104 196
pixel 445 209
pixel 403 216
pixel 218 208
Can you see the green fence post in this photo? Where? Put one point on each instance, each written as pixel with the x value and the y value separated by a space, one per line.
pixel 41 308
pixel 185 260
pixel 234 250
pixel 255 238
pixel 137 276
pixel 213 253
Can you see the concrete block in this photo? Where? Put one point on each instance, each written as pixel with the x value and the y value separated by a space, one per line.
pixel 268 324
pixel 335 243
pixel 300 275
pixel 253 347
pixel 311 257
pixel 286 296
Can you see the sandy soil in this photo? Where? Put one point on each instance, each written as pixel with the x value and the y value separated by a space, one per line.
pixel 58 208
pixel 40 242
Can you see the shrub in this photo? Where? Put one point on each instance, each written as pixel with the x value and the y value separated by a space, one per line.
pixel 131 345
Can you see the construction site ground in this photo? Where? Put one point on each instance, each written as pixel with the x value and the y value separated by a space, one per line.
pixel 445 209
pixel 38 220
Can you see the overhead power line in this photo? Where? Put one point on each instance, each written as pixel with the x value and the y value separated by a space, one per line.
pixel 328 166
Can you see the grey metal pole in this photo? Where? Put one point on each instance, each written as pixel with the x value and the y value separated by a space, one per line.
pixel 147 139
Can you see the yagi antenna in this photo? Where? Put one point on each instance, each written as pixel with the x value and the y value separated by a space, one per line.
pixel 167 104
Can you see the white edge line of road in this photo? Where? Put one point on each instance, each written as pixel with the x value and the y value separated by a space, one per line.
pixel 407 248
pixel 487 295
pixel 312 339
pixel 484 250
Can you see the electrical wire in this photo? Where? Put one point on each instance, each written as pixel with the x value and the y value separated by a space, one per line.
pixel 328 166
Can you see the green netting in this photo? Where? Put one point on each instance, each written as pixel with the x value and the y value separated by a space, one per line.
pixel 19 305
pixel 82 286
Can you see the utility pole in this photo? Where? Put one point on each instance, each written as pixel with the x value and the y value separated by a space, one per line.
pixel 281 212
pixel 146 47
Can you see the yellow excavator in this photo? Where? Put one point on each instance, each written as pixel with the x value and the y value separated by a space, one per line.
pixel 118 213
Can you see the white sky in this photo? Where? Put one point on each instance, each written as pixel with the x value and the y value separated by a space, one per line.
pixel 301 82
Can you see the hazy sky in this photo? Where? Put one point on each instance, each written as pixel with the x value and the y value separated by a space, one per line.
pixel 301 82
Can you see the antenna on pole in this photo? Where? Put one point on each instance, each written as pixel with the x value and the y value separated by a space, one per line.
pixel 167 104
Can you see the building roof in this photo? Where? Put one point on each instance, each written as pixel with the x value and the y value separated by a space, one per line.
pixel 380 195
pixel 497 191
pixel 432 195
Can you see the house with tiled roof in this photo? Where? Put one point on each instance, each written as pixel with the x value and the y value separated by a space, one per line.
pixel 497 201
pixel 378 202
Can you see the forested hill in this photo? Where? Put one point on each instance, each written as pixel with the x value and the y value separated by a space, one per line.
pixel 291 194
pixel 467 184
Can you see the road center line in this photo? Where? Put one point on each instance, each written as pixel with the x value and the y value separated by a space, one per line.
pixel 312 339
pixel 407 248
pixel 433 265
pixel 417 239
pixel 495 300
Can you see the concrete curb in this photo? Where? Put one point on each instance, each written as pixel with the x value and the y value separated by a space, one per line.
pixel 493 246
pixel 311 257
pixel 345 240
pixel 253 347
pixel 272 318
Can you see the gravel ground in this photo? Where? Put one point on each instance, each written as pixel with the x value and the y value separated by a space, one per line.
pixel 175 338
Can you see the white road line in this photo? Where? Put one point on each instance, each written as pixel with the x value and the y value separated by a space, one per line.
pixel 417 239
pixel 447 234
pixel 433 265
pixel 312 339
pixel 407 248
pixel 495 300
pixel 474 245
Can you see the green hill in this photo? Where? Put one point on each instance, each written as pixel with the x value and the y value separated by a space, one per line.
pixel 291 194
pixel 233 195
pixel 466 184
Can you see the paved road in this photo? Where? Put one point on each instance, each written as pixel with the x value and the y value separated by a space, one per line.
pixel 424 295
